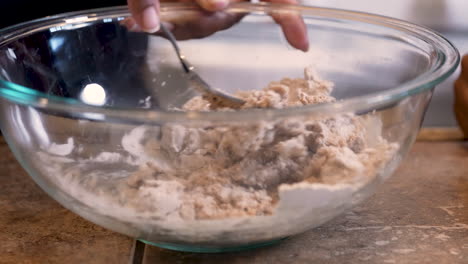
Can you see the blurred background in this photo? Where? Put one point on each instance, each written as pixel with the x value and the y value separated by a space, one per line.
pixel 448 17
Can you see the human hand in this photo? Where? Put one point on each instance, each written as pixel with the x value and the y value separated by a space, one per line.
pixel 145 17
pixel 461 97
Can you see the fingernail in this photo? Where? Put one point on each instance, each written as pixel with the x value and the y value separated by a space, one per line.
pixel 220 4
pixel 131 25
pixel 214 5
pixel 135 28
pixel 169 26
pixel 150 20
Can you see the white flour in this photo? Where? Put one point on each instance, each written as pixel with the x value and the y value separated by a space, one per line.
pixel 232 177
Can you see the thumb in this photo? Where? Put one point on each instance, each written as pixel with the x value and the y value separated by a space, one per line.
pixel 146 14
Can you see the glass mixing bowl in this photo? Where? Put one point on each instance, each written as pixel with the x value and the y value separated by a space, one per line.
pixel 84 107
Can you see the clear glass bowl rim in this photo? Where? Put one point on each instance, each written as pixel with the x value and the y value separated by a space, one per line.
pixel 445 63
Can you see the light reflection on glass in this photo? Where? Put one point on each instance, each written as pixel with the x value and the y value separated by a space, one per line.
pixel 21 132
pixel 56 42
pixel 11 54
pixel 69 27
pixel 93 94
pixel 39 129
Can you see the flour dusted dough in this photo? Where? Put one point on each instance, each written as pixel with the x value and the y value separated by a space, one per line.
pixel 233 169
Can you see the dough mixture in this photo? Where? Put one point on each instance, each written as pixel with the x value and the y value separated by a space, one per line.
pixel 200 172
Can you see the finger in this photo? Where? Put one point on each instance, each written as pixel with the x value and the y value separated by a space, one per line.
pixel 213 5
pixel 294 30
pixel 130 24
pixel 293 26
pixel 146 14
pixel 203 24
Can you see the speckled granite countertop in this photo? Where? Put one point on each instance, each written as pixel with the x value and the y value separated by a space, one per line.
pixel 419 216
